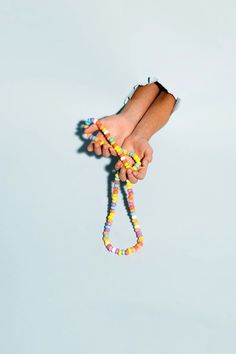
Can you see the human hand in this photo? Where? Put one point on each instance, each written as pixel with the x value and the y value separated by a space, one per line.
pixel 119 127
pixel 142 148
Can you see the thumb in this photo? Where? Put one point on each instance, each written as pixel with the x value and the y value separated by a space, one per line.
pixel 147 157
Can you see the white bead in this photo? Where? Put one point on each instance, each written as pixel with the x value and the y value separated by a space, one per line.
pixel 105 132
pixel 95 120
pixel 134 217
pixel 123 158
pixel 136 226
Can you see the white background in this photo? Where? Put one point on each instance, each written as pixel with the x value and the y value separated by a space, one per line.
pixel 61 291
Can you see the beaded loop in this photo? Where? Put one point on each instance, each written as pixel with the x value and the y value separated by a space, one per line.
pixel 122 153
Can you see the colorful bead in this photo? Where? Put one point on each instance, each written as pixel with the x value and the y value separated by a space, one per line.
pixel 122 153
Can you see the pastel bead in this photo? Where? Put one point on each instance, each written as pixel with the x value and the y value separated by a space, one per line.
pixel 122 153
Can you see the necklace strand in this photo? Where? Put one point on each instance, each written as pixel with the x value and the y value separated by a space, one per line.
pixel 122 155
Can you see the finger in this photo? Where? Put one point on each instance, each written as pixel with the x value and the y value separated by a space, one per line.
pixel 118 165
pixel 147 156
pixel 131 177
pixel 123 174
pixel 91 129
pixel 90 147
pixel 105 150
pixel 99 137
pixel 97 148
pixel 112 151
pixel 141 173
pixel 130 160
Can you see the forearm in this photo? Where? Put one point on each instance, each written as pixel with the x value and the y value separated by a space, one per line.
pixel 140 102
pixel 156 117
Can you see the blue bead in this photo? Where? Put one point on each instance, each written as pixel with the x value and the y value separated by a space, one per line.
pixel 88 121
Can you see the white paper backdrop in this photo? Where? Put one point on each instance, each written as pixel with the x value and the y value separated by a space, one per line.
pixel 61 292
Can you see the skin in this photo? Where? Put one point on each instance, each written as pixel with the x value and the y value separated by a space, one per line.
pixel 146 112
pixel 121 125
pixel 153 120
pixel 140 145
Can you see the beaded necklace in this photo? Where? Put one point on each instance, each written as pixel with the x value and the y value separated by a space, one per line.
pixel 122 153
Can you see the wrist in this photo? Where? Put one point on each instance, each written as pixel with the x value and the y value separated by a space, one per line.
pixel 137 135
pixel 142 134
pixel 132 115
